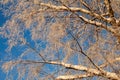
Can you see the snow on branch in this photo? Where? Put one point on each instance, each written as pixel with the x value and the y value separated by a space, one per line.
pixel 93 14
pixel 89 71
pixel 68 77
pixel 75 9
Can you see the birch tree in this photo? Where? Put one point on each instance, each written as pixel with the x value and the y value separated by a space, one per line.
pixel 63 39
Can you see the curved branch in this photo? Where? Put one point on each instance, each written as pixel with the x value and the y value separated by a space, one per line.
pixel 93 14
pixel 98 24
pixel 109 75
pixel 75 9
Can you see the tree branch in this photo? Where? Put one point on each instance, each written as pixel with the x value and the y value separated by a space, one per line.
pixel 72 77
pixel 105 64
pixel 106 74
pixel 109 8
pixel 109 75
pixel 75 9
pixel 98 24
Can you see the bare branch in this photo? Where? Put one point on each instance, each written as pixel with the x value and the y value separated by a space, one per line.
pixel 85 4
pixel 75 9
pixel 109 75
pixel 109 8
pixel 71 77
pixel 92 38
pixel 83 18
pixel 111 62
pixel 98 24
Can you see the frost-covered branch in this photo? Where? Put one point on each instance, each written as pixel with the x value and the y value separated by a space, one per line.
pixel 76 9
pixel 71 77
pixel 109 75
pixel 111 62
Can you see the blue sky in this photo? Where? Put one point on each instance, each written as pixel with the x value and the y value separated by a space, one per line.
pixel 2 19
pixel 3 46
pixel 4 55
pixel 15 51
pixel 19 49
